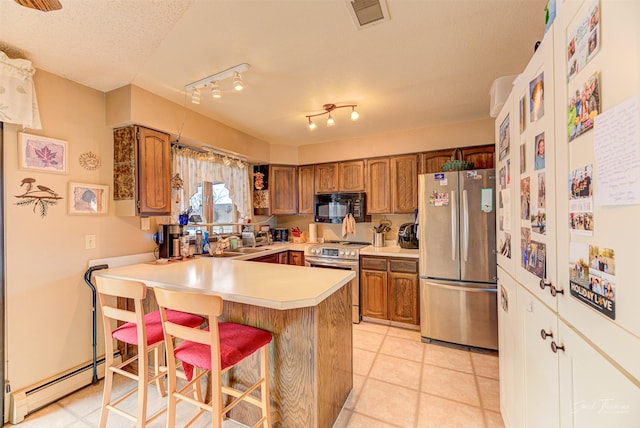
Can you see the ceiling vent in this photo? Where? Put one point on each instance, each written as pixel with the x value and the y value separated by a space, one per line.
pixel 366 13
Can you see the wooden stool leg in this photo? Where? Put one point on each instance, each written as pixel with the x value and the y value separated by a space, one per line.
pixel 264 389
pixel 156 369
pixel 143 380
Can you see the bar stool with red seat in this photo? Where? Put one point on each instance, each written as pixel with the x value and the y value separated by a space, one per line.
pixel 137 325
pixel 215 350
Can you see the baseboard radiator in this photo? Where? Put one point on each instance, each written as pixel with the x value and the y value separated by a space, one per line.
pixel 34 397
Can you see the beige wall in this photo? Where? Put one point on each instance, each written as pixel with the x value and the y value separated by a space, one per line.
pixel 418 140
pixel 48 317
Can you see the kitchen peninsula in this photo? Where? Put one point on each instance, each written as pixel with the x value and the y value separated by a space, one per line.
pixel 307 310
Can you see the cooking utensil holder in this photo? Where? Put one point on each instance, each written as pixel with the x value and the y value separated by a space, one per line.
pixel 378 239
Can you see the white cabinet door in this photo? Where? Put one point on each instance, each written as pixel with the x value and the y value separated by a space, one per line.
pixel 536 221
pixel 617 66
pixel 594 393
pixel 511 364
pixel 541 390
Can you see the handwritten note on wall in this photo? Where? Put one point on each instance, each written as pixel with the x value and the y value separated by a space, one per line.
pixel 616 142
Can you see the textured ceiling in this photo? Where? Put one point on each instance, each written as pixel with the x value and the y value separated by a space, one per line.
pixel 433 62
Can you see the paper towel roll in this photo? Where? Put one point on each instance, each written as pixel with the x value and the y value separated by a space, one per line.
pixel 313 232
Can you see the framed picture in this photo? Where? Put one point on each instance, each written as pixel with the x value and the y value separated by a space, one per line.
pixel 90 199
pixel 504 138
pixel 42 154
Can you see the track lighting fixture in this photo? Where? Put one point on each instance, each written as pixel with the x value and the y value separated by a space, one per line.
pixel 328 108
pixel 214 81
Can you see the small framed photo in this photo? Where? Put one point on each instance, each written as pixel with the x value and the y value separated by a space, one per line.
pixel 88 199
pixel 42 154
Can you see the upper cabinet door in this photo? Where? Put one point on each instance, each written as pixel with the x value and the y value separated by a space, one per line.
pixel 305 189
pixel 283 189
pixel 378 186
pixel 154 172
pixel 404 179
pixel 326 177
pixel 431 162
pixel 351 176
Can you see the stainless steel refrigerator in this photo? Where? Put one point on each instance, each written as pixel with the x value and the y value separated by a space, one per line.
pixel 458 258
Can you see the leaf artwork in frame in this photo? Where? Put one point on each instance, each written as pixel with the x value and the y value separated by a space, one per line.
pixel 42 154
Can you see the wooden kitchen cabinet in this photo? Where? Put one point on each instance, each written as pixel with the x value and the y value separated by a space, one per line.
pixel 270 258
pixel 326 178
pixel 283 258
pixel 306 189
pixel 404 184
pixel 351 176
pixel 403 291
pixel 389 289
pixel 283 189
pixel 141 171
pixel 378 186
pixel 296 258
pixel 373 294
pixel 481 156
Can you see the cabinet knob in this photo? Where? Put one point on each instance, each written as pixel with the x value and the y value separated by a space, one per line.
pixel 555 290
pixel 544 283
pixel 545 334
pixel 555 347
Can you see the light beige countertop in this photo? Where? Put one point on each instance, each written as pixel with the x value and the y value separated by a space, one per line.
pixel 267 285
pixel 389 251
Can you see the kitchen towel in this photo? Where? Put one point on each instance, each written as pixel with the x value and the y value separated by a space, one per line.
pixel 348 225
pixel 313 232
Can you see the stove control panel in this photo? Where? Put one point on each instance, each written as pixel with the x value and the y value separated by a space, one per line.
pixel 333 252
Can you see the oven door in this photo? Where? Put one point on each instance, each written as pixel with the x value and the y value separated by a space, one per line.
pixel 353 265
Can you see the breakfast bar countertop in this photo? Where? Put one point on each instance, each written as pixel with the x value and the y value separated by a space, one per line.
pixel 267 285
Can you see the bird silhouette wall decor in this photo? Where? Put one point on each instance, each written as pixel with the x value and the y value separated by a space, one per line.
pixel 38 196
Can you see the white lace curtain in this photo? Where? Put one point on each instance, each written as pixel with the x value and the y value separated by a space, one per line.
pixel 195 167
pixel 18 102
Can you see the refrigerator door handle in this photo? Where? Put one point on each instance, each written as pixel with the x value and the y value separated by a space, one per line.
pixel 454 229
pixel 465 224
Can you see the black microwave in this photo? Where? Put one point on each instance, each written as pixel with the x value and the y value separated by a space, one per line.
pixel 333 207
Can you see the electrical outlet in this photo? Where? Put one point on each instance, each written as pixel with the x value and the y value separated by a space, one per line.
pixel 89 242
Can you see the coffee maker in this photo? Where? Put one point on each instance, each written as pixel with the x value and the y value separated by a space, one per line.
pixel 169 240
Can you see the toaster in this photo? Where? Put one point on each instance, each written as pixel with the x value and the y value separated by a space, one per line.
pixel 408 236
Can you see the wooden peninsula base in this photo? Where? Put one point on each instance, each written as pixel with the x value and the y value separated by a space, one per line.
pixel 310 358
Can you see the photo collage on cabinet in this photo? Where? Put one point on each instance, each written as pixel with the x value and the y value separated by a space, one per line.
pixel 532 155
pixel 504 190
pixel 591 267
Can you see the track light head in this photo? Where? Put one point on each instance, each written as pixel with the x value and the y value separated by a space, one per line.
pixel 330 121
pixel 237 82
pixel 215 90
pixel 312 125
pixel 195 96
pixel 354 114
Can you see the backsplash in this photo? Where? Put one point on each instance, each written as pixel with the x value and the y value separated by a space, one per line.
pixel 364 231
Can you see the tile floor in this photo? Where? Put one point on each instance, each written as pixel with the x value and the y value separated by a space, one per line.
pixel 398 382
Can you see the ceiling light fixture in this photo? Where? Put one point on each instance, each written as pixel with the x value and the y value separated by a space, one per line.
pixel 214 81
pixel 328 108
